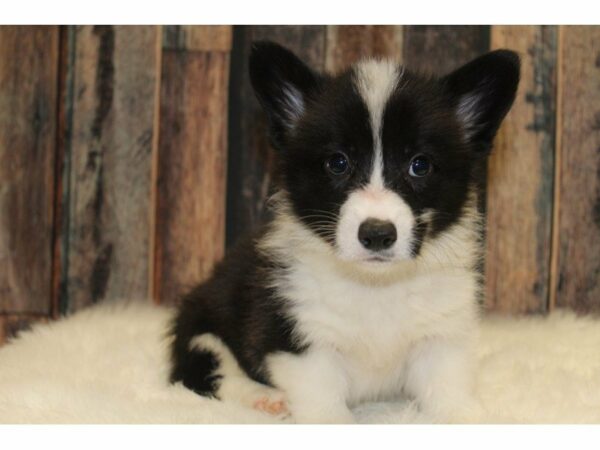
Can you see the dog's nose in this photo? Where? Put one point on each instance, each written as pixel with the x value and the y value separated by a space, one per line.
pixel 375 234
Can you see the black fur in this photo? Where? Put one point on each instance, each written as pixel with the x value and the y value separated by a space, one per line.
pixel 420 118
pixel 235 305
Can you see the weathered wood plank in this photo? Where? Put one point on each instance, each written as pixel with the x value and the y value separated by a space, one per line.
pixel 348 43
pixel 197 37
pixel 251 158
pixel 12 324
pixel 28 93
pixel 192 168
pixel 520 187
pixel 110 151
pixel 577 222
pixel 65 65
pixel 440 49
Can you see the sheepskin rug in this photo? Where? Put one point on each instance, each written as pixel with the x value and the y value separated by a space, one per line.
pixel 109 364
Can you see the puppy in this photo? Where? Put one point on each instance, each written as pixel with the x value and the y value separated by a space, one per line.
pixel 364 284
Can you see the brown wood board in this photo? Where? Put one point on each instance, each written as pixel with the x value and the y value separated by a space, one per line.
pixel 28 95
pixel 520 178
pixel 111 148
pixel 577 224
pixel 190 221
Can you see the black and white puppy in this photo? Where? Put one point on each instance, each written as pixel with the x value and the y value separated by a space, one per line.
pixel 364 284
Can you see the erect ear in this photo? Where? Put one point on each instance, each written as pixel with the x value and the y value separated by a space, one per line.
pixel 482 91
pixel 283 84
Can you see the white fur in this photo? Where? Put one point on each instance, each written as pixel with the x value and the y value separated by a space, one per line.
pixel 110 365
pixel 234 385
pixel 375 319
pixel 315 387
pixel 376 80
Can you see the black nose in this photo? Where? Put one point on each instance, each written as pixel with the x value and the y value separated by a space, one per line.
pixel 375 234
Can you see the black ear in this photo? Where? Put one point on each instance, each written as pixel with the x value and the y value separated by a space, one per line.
pixel 482 91
pixel 283 85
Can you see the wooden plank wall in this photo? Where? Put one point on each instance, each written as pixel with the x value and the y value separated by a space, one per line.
pixel 130 157
pixel 192 160
pixel 28 118
pixel 106 235
pixel 520 178
pixel 576 266
pixel 94 203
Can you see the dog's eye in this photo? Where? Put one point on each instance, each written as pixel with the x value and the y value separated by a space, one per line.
pixel 419 166
pixel 337 164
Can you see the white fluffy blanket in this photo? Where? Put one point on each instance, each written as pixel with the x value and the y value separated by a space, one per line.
pixel 109 364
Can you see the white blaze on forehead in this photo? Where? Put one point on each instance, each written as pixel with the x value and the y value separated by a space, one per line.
pixel 376 81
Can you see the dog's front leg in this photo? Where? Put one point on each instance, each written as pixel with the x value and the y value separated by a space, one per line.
pixel 314 383
pixel 439 376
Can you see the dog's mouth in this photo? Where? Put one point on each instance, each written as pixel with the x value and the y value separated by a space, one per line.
pixel 378 259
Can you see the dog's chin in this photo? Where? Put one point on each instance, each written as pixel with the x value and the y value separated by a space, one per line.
pixel 374 265
pixel 381 264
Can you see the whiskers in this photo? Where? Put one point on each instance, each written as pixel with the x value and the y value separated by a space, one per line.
pixel 455 248
pixel 323 223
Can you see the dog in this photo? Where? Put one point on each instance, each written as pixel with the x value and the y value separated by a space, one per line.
pixel 364 284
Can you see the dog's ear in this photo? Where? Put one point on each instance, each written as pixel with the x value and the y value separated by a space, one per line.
pixel 482 91
pixel 283 85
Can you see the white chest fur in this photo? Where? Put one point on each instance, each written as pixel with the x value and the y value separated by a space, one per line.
pixel 374 326
pixel 372 322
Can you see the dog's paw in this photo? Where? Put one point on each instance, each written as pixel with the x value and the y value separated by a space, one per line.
pixel 270 401
pixel 251 394
pixel 274 406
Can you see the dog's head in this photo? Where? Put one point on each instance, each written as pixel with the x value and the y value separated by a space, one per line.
pixel 376 160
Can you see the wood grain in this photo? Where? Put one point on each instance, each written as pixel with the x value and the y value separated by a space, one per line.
pixel 440 49
pixel 12 324
pixel 577 226
pixel 28 93
pixel 59 243
pixel 190 222
pixel 346 44
pixel 197 37
pixel 110 152
pixel 251 159
pixel 520 178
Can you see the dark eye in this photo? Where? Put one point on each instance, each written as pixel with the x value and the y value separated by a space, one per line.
pixel 419 166
pixel 337 164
